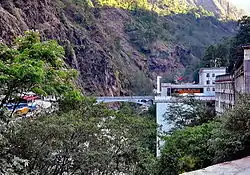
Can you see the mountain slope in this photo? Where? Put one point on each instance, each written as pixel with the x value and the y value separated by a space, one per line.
pixel 221 8
pixel 117 51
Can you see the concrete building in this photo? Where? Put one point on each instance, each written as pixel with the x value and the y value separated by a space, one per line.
pixel 224 93
pixel 239 82
pixel 207 78
pixel 247 68
pixel 230 86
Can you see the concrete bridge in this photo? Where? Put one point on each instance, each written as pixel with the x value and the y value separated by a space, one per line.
pixel 149 100
pixel 142 100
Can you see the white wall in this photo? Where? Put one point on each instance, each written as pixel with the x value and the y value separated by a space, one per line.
pixel 161 109
pixel 212 72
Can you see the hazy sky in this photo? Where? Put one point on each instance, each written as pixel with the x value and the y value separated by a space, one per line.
pixel 244 4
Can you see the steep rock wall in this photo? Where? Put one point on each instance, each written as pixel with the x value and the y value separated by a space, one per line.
pixel 98 44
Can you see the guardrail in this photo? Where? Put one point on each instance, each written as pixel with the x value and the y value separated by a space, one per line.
pixel 127 97
pixel 178 99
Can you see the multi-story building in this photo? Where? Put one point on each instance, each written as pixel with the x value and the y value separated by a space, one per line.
pixel 224 93
pixel 207 78
pixel 230 86
pixel 239 80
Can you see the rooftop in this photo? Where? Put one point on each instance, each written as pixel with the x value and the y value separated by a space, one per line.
pixel 239 167
pixel 212 68
pixel 246 47
pixel 189 85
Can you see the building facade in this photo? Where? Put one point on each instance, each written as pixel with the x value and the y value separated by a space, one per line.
pixel 224 93
pixel 229 87
pixel 207 78
pixel 168 89
pixel 239 81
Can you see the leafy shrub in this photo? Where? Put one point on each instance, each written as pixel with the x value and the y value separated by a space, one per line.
pixel 88 140
pixel 186 150
pixel 192 148
pixel 189 113
pixel 232 139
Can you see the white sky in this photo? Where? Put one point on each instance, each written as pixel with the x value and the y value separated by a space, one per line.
pixel 244 4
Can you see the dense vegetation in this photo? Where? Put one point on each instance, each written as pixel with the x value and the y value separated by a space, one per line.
pixel 224 139
pixel 82 137
pixel 230 50
pixel 197 143
pixel 89 140
pixel 184 30
pixel 32 65
pixel 189 113
pixel 120 39
pixel 164 7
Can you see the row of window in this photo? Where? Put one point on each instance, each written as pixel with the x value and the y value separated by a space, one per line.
pixel 224 86
pixel 210 89
pixel 209 82
pixel 224 96
pixel 208 75
pixel 223 105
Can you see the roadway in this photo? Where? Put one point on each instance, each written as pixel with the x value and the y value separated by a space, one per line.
pixel 155 99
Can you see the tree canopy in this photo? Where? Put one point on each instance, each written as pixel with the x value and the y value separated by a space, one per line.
pixel 229 50
pixel 226 138
pixel 32 65
pixel 81 137
pixel 89 140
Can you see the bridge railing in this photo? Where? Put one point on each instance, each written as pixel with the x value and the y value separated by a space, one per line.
pixel 177 99
pixel 126 97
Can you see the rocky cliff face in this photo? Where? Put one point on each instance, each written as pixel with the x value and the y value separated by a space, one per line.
pixel 221 8
pixel 87 47
pixel 103 45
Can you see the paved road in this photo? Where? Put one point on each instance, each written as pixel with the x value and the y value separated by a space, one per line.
pixel 155 98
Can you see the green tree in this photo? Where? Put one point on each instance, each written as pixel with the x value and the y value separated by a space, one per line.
pixel 189 113
pixel 209 58
pixel 9 162
pixel 32 65
pixel 224 139
pixel 242 38
pixel 231 140
pixel 186 150
pixel 89 140
pixel 29 65
pixel 230 50
pixel 141 85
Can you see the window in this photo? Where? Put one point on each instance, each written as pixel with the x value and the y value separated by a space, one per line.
pixel 213 82
pixel 208 82
pixel 213 89
pixel 208 75
pixel 213 75
pixel 208 89
pixel 216 104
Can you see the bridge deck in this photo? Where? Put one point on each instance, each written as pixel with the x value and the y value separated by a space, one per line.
pixel 156 99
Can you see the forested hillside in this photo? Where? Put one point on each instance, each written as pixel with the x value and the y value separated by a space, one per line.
pixel 221 8
pixel 229 53
pixel 119 46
